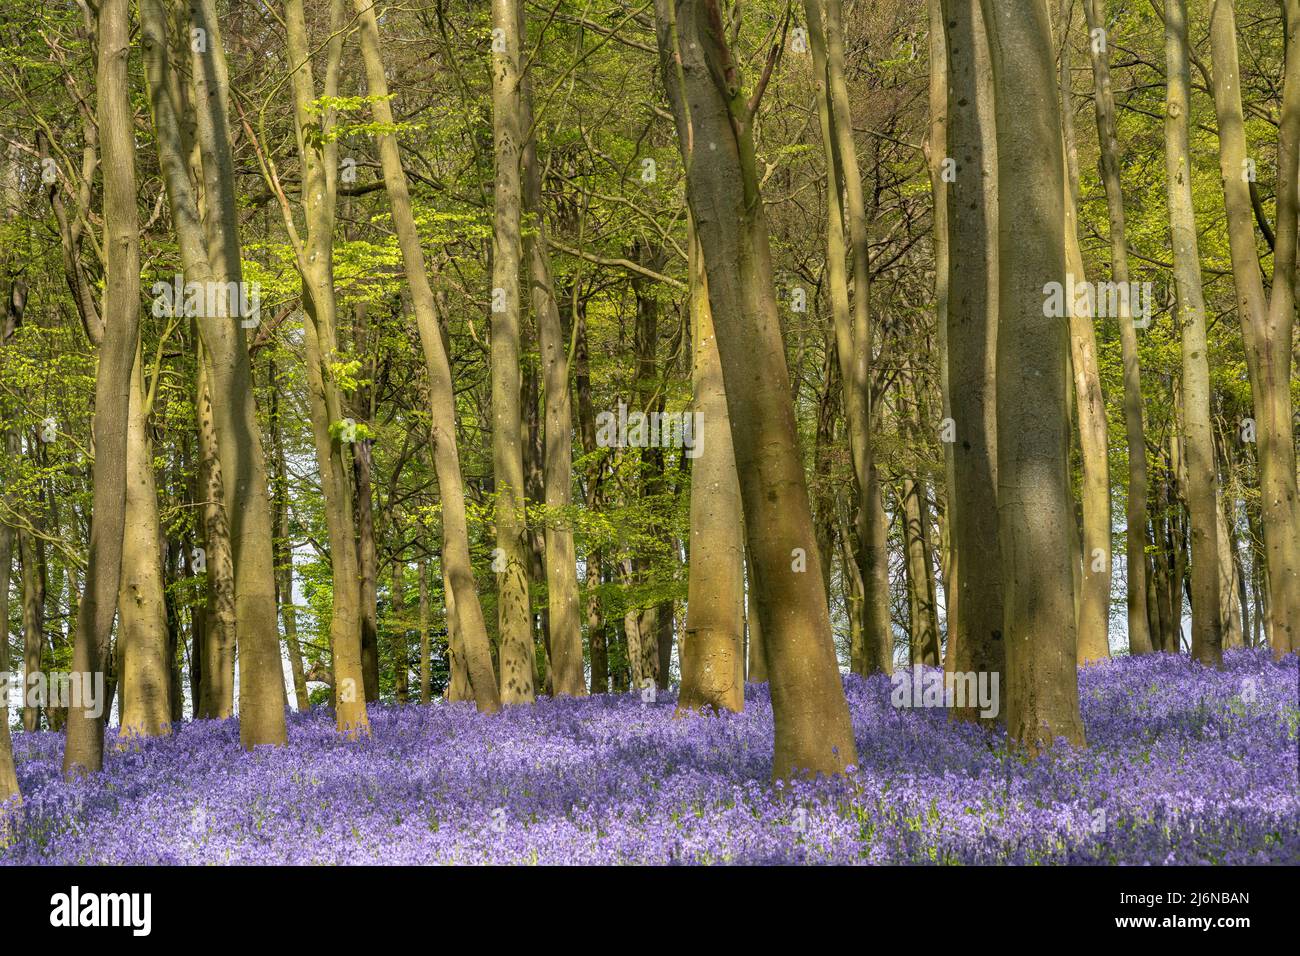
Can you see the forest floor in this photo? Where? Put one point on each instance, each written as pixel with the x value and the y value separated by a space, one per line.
pixel 1184 765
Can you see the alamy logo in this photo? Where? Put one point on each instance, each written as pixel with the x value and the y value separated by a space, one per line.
pixel 1102 300
pixel 241 300
pixel 103 909
pixel 78 689
pixel 683 430
pixel 931 687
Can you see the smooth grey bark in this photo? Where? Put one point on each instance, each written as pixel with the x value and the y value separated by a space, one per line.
pixel 262 698
pixel 1198 445
pixel 715 137
pixel 1135 536
pixel 935 148
pixel 313 253
pixel 466 620
pixel 142 635
pixel 563 627
pixel 972 315
pixel 712 658
pixel 1267 317
pixel 1035 506
pixel 426 661
pixel 847 223
pixel 216 699
pixel 10 317
pixel 755 656
pixel 84 748
pixel 1094 568
pixel 511 558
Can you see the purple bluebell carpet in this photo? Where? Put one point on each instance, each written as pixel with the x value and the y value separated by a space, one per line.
pixel 1184 765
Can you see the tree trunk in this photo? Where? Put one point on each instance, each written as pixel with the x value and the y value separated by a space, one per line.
pixel 641 671
pixel 825 500
pixel 469 626
pixel 1267 320
pixel 58 716
pixel 923 630
pixel 851 576
pixel 917 534
pixel 1139 633
pixel 837 285
pixel 1034 500
pixel 8 774
pixel 1094 548
pixel 1230 607
pixel 284 556
pixel 175 631
pixel 935 148
pixel 534 490
pixel 1177 580
pixel 458 680
pixel 510 559
pixel 665 631
pixel 1158 585
pixel 650 400
pixel 871 520
pixel 853 332
pixel 712 661
pixel 597 637
pixel 142 614
pixel 367 565
pixel 1093 595
pixel 363 507
pixel 84 749
pixel 811 717
pixel 261 678
pixel 217 675
pixel 401 650
pixel 1258 574
pixel 755 657
pixel 318 153
pixel 11 314
pixel 33 612
pixel 426 659
pixel 1202 493
pixel 563 628
pixel 972 336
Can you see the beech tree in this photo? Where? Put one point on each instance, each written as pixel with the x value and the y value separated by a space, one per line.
pixel 84 750
pixel 1093 597
pixel 712 646
pixel 468 625
pixel 1267 316
pixel 14 303
pixel 1035 510
pixel 331 431
pixel 510 562
pixel 1207 639
pixel 262 693
pixel 714 114
pixel 1135 536
pixel 971 319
